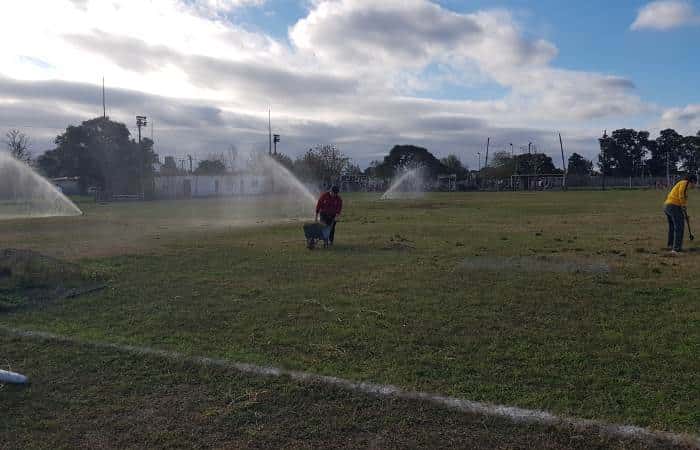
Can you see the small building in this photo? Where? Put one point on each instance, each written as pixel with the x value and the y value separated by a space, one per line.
pixel 197 186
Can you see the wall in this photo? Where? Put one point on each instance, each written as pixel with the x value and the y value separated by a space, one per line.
pixel 189 186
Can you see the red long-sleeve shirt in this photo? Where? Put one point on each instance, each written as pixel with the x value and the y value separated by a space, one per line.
pixel 329 204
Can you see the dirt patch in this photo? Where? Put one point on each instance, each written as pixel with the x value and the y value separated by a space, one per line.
pixel 30 278
pixel 398 242
pixel 534 264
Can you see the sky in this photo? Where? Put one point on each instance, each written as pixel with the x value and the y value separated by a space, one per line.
pixel 361 74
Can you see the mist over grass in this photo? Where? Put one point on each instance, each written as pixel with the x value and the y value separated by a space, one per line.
pixel 619 345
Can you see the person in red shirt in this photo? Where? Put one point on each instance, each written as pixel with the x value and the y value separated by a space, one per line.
pixel 328 207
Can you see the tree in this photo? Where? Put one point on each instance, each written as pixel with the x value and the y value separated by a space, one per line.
pixel 502 166
pixel 402 157
pixel 666 153
pixel 352 169
pixel 210 167
pixel 323 163
pixel 690 153
pixel 101 153
pixel 535 164
pixel 623 153
pixel 604 158
pixel 578 165
pixel 18 145
pixel 454 166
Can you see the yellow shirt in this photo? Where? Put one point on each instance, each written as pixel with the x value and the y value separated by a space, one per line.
pixel 678 195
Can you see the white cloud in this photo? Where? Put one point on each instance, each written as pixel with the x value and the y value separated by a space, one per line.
pixel 665 15
pixel 685 120
pixel 355 72
pixel 215 8
pixel 389 40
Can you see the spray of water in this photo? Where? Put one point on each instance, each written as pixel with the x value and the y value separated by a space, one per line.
pixel 408 184
pixel 25 193
pixel 285 183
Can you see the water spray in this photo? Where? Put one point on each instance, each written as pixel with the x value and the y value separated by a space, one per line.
pixel 24 193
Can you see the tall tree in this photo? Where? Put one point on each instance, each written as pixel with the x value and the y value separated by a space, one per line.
pixel 535 164
pixel 690 153
pixel 323 163
pixel 453 165
pixel 623 153
pixel 17 144
pixel 101 153
pixel 501 165
pixel 578 165
pixel 403 157
pixel 210 167
pixel 666 153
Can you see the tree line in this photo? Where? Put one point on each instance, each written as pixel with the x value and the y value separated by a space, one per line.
pixel 631 153
pixel 102 154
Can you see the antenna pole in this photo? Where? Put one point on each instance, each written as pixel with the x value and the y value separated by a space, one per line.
pixel 486 161
pixel 563 161
pixel 104 108
pixel 269 130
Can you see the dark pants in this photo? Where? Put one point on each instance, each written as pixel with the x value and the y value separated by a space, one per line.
pixel 329 219
pixel 676 226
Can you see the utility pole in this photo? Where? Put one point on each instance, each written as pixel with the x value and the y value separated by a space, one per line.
pixel 269 130
pixel 141 122
pixel 190 158
pixel 478 167
pixel 603 146
pixel 275 140
pixel 104 106
pixel 563 161
pixel 486 161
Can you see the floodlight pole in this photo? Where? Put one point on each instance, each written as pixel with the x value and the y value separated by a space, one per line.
pixel 602 152
pixel 141 121
pixel 563 161
pixel 486 160
pixel 104 106
pixel 275 140
pixel 269 130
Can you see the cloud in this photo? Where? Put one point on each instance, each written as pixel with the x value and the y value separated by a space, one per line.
pixel 363 74
pixel 665 15
pixel 391 40
pixel 248 78
pixel 411 34
pixel 685 120
pixel 228 5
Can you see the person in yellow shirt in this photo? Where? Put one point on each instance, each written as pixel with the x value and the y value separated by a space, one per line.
pixel 675 208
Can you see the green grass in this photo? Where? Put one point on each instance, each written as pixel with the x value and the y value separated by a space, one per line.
pixel 390 303
pixel 118 400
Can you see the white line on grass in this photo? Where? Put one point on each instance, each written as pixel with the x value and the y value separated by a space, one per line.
pixel 515 414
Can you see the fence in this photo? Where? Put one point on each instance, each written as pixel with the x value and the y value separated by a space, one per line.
pixel 600 182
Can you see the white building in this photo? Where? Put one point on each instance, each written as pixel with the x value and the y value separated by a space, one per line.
pixel 226 185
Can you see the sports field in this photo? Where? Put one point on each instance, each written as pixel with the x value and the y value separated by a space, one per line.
pixel 558 301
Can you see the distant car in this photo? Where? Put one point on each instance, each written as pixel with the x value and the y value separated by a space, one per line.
pixel 91 190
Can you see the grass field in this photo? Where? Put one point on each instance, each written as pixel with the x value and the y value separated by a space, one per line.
pixel 392 302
